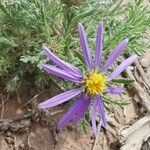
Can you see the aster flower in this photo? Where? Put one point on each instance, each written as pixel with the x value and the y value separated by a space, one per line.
pixel 92 85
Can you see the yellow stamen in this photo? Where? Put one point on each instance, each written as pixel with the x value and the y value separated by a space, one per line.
pixel 95 83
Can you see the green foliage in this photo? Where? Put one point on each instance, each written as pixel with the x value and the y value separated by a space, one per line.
pixel 121 21
pixel 123 80
pixel 108 102
pixel 27 24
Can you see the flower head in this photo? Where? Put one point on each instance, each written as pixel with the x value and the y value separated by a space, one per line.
pixel 92 85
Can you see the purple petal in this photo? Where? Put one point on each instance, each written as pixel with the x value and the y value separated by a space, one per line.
pixel 70 113
pixel 94 117
pixel 59 99
pixel 101 110
pixel 65 66
pixel 122 67
pixel 116 52
pixel 60 73
pixel 115 90
pixel 99 45
pixel 84 45
pixel 81 112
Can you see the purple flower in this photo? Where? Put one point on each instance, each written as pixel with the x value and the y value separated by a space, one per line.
pixel 91 85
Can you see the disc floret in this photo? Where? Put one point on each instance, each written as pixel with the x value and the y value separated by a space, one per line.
pixel 95 83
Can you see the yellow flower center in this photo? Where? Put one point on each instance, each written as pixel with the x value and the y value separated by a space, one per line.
pixel 95 83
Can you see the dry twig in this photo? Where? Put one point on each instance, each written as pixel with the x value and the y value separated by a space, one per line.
pixel 142 74
pixel 97 137
pixel 143 96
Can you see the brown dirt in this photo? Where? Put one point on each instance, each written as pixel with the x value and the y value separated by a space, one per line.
pixel 24 127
